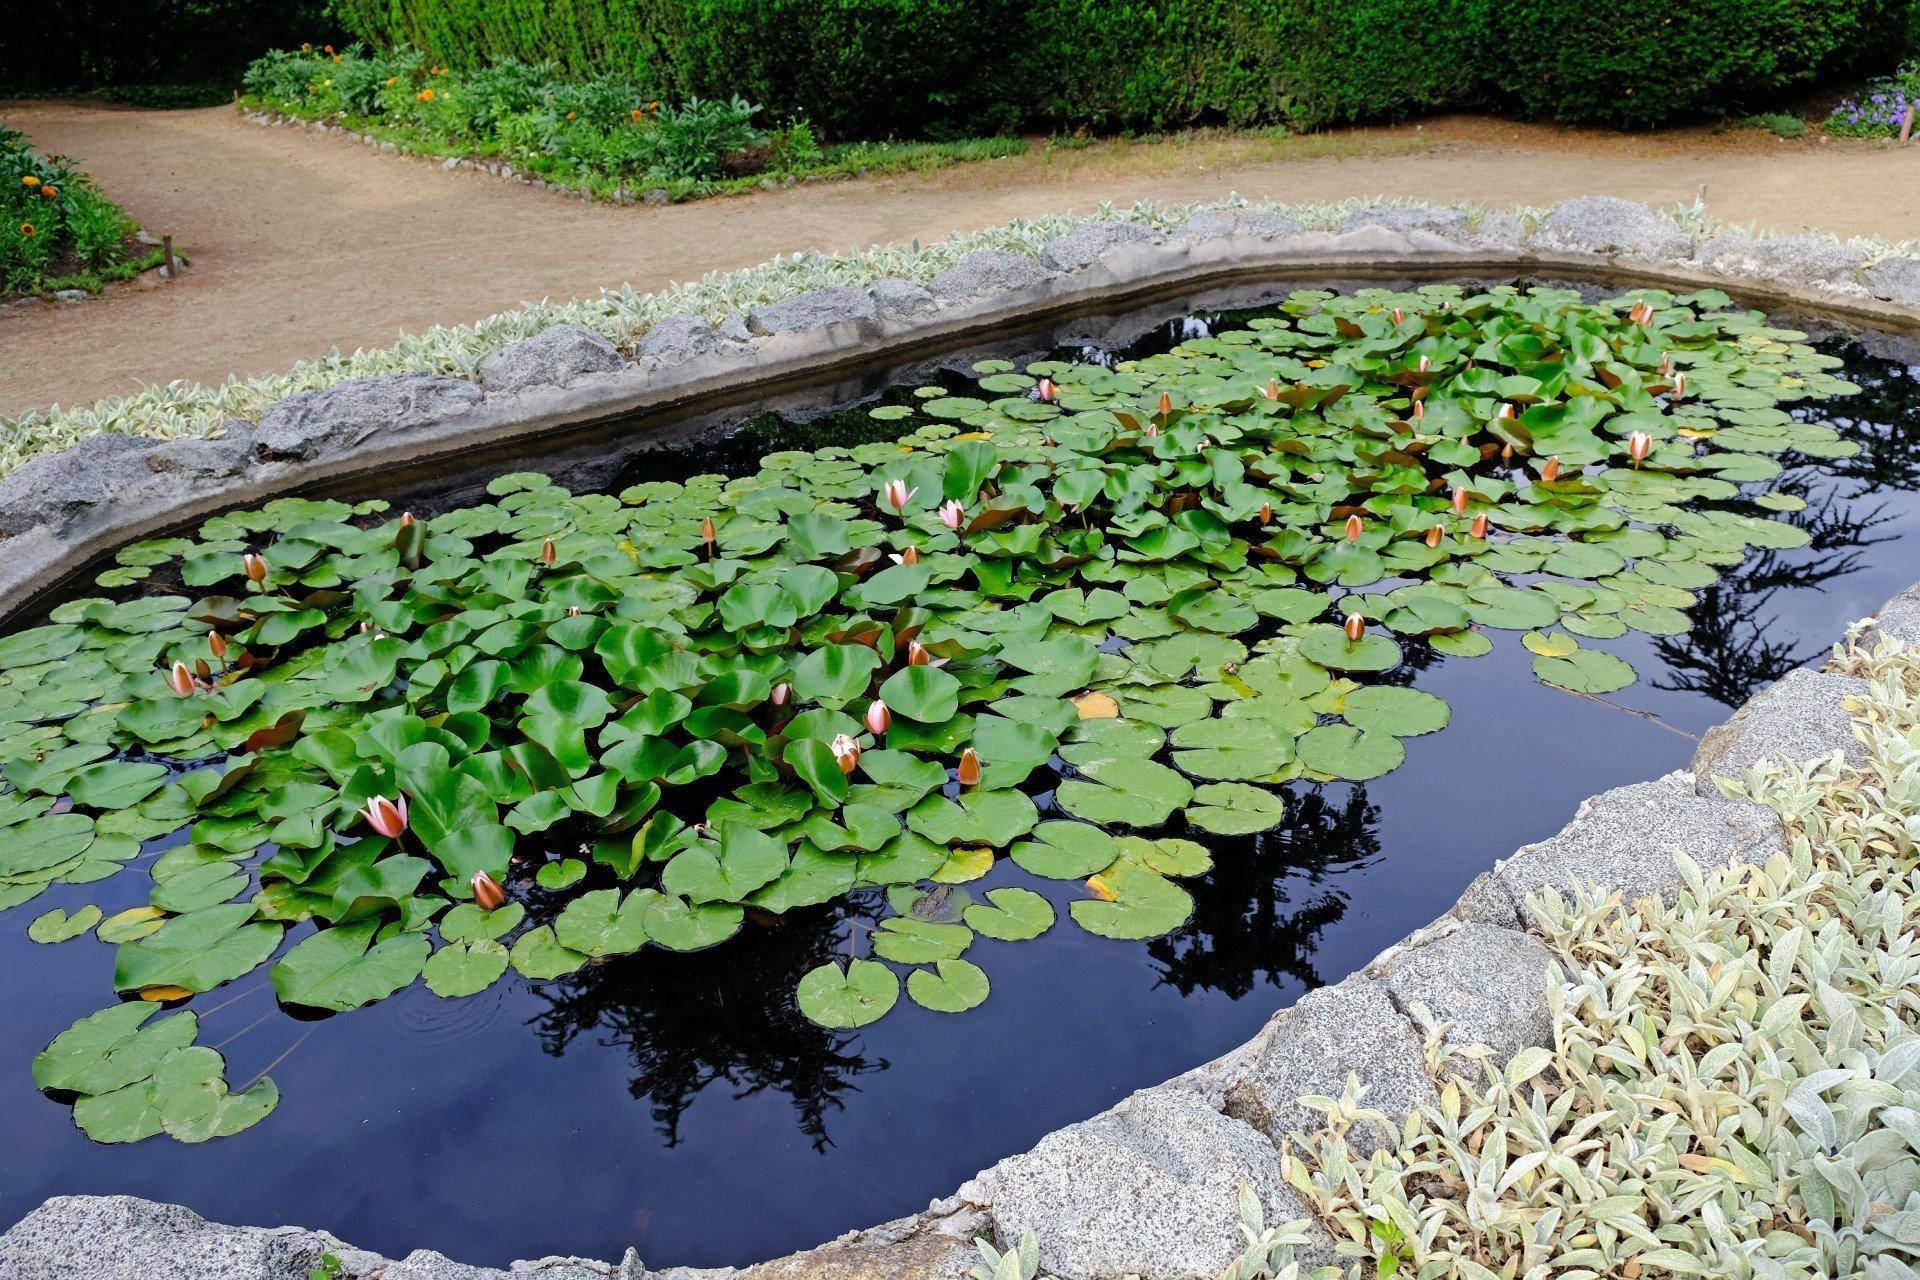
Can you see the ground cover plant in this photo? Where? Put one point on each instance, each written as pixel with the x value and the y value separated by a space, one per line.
pixel 1732 1081
pixel 1884 110
pixel 608 133
pixel 1075 623
pixel 56 230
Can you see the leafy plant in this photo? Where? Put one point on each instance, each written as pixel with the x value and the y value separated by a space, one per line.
pixel 56 229
pixel 852 669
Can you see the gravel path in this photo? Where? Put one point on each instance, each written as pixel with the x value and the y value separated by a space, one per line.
pixel 301 242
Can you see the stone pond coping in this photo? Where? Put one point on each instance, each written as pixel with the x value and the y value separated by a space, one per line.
pixel 64 511
pixel 1149 1186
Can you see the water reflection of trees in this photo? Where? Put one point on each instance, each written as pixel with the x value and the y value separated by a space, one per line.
pixel 1260 912
pixel 1733 648
pixel 691 1022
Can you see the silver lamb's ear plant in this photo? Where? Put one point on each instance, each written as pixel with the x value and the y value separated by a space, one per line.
pixel 1022 1262
pixel 1269 1250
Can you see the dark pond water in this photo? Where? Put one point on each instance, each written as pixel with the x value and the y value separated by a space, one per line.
pixel 679 1105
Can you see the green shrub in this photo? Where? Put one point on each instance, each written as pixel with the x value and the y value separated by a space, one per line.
pixel 877 68
pixel 54 224
pixel 191 51
pixel 1645 62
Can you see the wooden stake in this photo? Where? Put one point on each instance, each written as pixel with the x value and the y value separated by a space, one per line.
pixel 1906 125
pixel 166 245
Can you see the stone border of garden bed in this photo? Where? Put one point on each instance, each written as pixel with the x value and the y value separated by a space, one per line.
pixel 1149 1186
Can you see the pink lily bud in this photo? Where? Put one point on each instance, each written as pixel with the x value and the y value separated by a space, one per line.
pixel 255 565
pixel 897 495
pixel 1479 526
pixel 1166 403
pixel 487 893
pixel 1459 499
pixel 216 644
pixel 910 556
pixel 1419 410
pixel 1679 385
pixel 1399 316
pixel 1152 432
pixel 1550 472
pixel 1504 411
pixel 952 515
pixel 1434 535
pixel 388 817
pixel 1666 365
pixel 1047 392
pixel 846 753
pixel 1639 445
pixel 180 679
pixel 969 771
pixel 406 519
pixel 781 693
pixel 917 655
pixel 548 552
pixel 1355 525
pixel 1266 513
pixel 1273 389
pixel 878 717
pixel 1424 365
pixel 708 534
pixel 1356 627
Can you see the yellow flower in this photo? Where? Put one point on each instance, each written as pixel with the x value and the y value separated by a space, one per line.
pixel 306 47
pixel 393 80
pixel 425 95
pixel 26 228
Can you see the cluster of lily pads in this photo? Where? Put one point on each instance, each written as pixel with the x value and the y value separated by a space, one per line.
pixel 1070 623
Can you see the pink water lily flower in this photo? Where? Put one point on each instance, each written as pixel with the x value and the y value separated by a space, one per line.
pixel 1639 445
pixel 255 566
pixel 180 680
pixel 487 893
pixel 879 717
pixel 781 692
pixel 388 817
pixel 846 753
pixel 897 495
pixel 910 556
pixel 952 515
pixel 1046 390
pixel 969 770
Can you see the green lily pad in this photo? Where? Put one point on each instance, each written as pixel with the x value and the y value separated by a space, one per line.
pixel 862 992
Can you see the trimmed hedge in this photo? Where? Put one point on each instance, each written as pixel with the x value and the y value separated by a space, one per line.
pixel 888 67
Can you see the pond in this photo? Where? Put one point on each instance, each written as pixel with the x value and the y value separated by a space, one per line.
pixel 683 1104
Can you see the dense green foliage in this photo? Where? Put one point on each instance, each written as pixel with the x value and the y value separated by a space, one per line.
pixel 56 230
pixel 599 132
pixel 881 67
pixel 88 46
pixel 1153 593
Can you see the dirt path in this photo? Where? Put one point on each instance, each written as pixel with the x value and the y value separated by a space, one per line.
pixel 301 242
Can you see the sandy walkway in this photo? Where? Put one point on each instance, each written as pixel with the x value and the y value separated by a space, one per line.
pixel 301 242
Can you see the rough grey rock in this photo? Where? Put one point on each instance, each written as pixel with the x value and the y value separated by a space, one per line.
pixel 72 295
pixel 923 1247
pixel 1896 280
pixel 1625 840
pixel 124 1238
pixel 901 300
pixel 1800 717
pixel 680 337
pixel 219 458
pixel 1451 223
pixel 555 357
pixel 1213 226
pixel 425 1264
pixel 55 487
pixel 986 271
pixel 1898 619
pixel 450 163
pixel 734 328
pixel 1489 984
pixel 1083 246
pixel 1791 259
pixel 1148 1188
pixel 835 304
pixel 1608 224
pixel 1500 230
pixel 1351 1028
pixel 353 412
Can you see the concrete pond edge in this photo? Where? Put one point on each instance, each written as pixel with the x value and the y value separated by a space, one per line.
pixel 1149 1186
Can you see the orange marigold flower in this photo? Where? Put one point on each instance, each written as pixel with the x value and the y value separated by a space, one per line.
pixel 326 48
pixel 637 114
pixel 306 47
pixel 425 95
pixel 49 191
pixel 393 80
pixel 570 115
pixel 29 181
